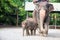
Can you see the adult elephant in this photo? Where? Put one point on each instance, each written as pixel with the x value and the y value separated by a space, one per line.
pixel 42 17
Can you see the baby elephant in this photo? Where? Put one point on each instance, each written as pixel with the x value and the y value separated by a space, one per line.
pixel 30 26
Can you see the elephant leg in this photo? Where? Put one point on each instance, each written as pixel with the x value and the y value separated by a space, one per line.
pixel 45 32
pixel 46 25
pixel 35 32
pixel 31 32
pixel 27 32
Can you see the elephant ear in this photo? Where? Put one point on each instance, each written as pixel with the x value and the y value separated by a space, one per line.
pixel 50 7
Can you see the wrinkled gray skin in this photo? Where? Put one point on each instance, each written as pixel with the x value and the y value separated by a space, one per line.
pixel 43 18
pixel 29 24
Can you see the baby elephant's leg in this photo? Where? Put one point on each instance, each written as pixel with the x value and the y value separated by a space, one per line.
pixel 27 32
pixel 35 32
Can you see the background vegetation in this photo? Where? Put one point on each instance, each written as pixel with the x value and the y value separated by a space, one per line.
pixel 9 9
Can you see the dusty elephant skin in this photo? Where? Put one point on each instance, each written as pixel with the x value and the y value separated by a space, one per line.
pixel 43 18
pixel 29 24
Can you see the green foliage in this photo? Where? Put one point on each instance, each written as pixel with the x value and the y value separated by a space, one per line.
pixel 9 8
pixel 55 17
pixel 58 1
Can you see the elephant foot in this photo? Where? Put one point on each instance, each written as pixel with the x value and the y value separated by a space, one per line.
pixel 27 34
pixel 45 33
pixel 41 33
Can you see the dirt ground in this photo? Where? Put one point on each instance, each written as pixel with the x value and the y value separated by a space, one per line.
pixel 16 34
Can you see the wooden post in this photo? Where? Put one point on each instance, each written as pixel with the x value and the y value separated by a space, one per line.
pixel 55 21
pixel 17 20
pixel 16 17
